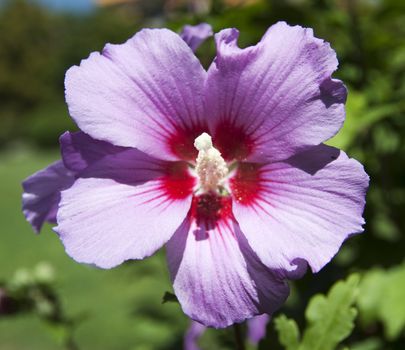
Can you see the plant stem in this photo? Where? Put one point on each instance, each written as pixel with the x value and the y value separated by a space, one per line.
pixel 239 339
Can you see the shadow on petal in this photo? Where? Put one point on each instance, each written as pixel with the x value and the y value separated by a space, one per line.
pixel 314 159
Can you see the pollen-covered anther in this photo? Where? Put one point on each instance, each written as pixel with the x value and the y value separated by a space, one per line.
pixel 210 167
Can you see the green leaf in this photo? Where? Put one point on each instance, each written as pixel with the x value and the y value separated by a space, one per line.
pixel 368 344
pixel 382 298
pixel 288 332
pixel 330 318
pixel 393 303
pixel 371 291
pixel 59 332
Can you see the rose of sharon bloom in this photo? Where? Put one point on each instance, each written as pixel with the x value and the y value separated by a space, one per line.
pixel 225 166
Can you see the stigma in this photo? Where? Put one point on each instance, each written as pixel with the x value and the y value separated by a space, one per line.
pixel 210 167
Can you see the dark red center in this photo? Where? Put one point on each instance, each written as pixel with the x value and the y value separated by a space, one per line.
pixel 177 182
pixel 181 143
pixel 232 141
pixel 247 183
pixel 234 144
pixel 208 208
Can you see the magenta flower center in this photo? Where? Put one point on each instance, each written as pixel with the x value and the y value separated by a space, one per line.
pixel 219 181
pixel 221 174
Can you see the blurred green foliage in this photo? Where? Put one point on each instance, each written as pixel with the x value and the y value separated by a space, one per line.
pixel 123 307
pixel 32 291
pixel 330 319
pixel 36 49
pixel 381 299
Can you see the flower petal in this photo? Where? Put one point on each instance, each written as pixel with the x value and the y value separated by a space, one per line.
pixel 300 210
pixel 42 193
pixel 125 205
pixel 91 158
pixel 217 277
pixel 277 97
pixel 138 94
pixel 194 36
pixel 105 222
pixel 80 150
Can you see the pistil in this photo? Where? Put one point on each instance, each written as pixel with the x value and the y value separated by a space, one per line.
pixel 210 167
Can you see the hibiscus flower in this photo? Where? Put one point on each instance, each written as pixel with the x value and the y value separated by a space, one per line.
pixel 225 166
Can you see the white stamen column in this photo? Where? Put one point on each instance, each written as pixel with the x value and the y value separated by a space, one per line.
pixel 210 166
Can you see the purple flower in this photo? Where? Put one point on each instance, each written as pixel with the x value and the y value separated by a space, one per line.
pixel 256 331
pixel 226 166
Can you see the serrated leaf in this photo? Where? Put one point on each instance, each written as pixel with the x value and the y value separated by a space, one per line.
pixel 330 318
pixel 288 332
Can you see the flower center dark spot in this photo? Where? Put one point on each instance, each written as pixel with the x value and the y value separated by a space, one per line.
pixel 209 208
pixel 181 143
pixel 233 142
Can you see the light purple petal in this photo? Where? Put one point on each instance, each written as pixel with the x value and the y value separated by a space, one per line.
pixel 279 92
pixel 104 222
pixel 194 332
pixel 125 205
pixel 303 209
pixel 42 193
pixel 138 94
pixel 256 327
pixel 80 150
pixel 194 36
pixel 217 277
